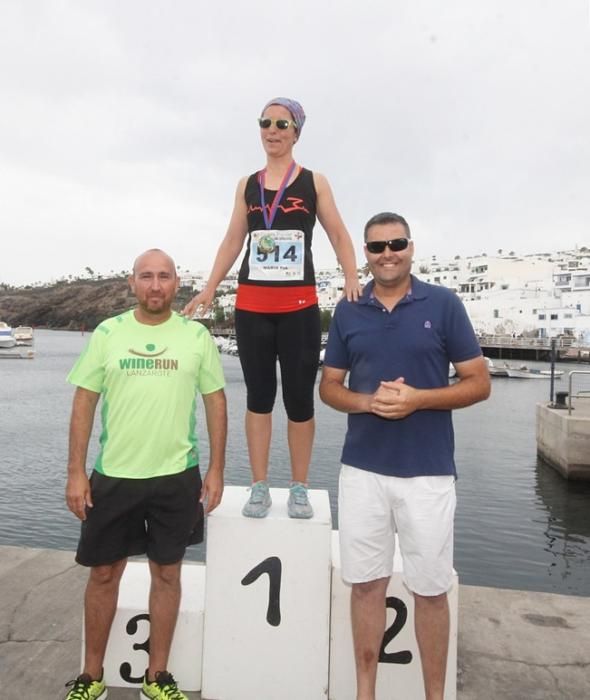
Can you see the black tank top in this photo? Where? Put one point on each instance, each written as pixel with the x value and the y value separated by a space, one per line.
pixel 296 211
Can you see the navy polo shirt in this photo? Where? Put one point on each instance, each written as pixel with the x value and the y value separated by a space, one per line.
pixel 426 330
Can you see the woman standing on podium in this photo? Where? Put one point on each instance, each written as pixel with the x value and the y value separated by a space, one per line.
pixel 277 314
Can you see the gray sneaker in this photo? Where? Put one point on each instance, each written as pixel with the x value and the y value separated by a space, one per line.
pixel 298 505
pixel 259 503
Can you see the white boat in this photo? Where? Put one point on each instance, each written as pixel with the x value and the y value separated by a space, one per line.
pixel 496 370
pixel 521 372
pixel 23 335
pixel 225 345
pixel 524 372
pixel 7 340
pixel 16 354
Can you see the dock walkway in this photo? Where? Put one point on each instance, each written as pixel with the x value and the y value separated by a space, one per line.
pixel 513 645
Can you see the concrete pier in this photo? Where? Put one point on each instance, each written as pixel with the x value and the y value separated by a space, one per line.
pixel 563 439
pixel 512 644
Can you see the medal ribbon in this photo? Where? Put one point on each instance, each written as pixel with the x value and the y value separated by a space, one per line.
pixel 269 218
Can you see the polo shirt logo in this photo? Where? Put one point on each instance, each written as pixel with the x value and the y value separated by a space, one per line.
pixel 427 324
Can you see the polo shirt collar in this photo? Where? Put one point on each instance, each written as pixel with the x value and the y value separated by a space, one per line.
pixel 418 290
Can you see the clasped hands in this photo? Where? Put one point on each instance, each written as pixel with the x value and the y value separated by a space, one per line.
pixel 394 400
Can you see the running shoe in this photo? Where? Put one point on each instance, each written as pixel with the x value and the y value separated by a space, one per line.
pixel 298 505
pixel 163 688
pixel 84 688
pixel 259 503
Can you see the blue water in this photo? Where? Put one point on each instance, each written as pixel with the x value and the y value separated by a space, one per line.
pixel 519 524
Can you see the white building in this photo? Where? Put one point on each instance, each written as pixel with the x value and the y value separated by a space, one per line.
pixel 541 295
pixel 537 295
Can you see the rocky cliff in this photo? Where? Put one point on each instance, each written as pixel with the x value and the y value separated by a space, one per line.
pixel 81 304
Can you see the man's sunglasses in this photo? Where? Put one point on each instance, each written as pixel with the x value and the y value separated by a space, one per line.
pixel 266 122
pixel 395 244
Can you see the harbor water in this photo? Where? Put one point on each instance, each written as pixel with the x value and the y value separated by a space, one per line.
pixel 519 524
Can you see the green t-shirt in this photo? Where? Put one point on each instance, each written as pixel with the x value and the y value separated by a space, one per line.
pixel 149 377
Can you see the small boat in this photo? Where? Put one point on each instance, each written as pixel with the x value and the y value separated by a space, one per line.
pixel 227 346
pixel 524 372
pixel 496 370
pixel 23 335
pixel 521 372
pixel 16 354
pixel 7 340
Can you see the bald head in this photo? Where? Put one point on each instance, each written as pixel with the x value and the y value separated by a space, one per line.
pixel 154 282
pixel 154 256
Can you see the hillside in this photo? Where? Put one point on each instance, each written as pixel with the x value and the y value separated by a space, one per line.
pixel 81 304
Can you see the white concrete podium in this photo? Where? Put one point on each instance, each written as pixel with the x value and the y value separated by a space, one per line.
pixel 126 656
pixel 267 602
pixel 399 675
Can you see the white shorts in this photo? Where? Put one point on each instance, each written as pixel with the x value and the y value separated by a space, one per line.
pixel 373 507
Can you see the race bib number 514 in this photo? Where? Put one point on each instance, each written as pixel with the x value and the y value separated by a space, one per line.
pixel 276 256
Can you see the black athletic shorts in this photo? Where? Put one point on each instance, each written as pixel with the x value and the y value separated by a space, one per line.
pixel 159 517
pixel 294 338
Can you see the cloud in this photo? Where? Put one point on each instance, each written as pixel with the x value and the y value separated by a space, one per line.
pixel 127 125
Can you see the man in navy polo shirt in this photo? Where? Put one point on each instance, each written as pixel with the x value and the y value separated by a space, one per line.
pixel 398 469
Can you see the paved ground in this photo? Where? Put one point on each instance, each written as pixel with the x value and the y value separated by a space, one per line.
pixel 513 645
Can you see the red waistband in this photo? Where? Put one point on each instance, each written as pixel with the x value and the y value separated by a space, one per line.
pixel 275 300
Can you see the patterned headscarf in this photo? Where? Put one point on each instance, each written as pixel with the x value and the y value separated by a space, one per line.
pixel 293 106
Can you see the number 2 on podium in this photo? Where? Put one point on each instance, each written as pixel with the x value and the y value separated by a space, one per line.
pixel 401 615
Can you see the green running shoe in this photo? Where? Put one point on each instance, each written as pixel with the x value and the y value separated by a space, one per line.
pixel 298 505
pixel 84 688
pixel 259 503
pixel 163 688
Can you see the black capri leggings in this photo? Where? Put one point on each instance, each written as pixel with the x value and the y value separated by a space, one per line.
pixel 294 338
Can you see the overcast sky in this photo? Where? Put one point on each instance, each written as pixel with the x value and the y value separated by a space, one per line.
pixel 126 124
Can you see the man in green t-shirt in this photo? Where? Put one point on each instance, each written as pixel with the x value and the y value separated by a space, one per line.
pixel 145 494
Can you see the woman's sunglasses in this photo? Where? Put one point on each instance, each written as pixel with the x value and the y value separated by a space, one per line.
pixel 395 244
pixel 265 123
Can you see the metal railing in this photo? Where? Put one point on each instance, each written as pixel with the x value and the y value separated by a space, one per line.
pixel 580 394
pixel 508 341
